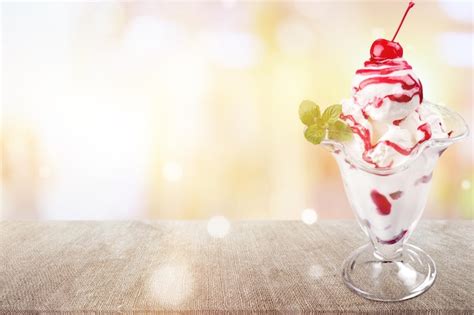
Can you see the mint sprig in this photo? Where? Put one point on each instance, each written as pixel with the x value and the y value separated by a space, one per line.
pixel 331 114
pixel 318 126
pixel 340 131
pixel 315 134
pixel 309 113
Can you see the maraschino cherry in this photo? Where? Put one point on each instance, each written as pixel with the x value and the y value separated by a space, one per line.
pixel 389 49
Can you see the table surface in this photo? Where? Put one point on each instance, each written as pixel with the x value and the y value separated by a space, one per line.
pixel 136 266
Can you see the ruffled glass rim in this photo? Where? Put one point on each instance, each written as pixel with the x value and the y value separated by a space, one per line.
pixel 452 120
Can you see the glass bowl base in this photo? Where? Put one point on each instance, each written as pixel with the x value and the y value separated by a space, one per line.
pixel 389 280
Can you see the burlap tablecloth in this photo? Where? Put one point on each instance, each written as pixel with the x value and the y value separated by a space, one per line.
pixel 283 266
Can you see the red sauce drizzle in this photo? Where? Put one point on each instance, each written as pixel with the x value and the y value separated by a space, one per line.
pixel 394 240
pixel 386 62
pixel 383 71
pixel 381 202
pixel 389 66
pixel 424 179
pixel 364 135
pixel 425 128
pixel 396 195
pixel 407 83
pixel 398 122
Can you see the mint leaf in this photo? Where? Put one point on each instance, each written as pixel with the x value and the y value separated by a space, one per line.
pixel 319 125
pixel 309 112
pixel 331 114
pixel 314 134
pixel 339 131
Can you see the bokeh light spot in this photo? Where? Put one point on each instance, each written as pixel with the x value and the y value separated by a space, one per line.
pixel 407 274
pixel 466 184
pixel 316 271
pixel 456 48
pixel 294 36
pixel 457 10
pixel 44 171
pixel 146 36
pixel 231 49
pixel 378 32
pixel 172 171
pixel 309 216
pixel 171 284
pixel 218 226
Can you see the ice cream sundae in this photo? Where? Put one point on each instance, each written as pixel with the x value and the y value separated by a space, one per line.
pixel 387 111
pixel 390 120
pixel 386 139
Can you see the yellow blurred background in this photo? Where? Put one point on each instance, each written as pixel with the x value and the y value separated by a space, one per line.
pixel 188 110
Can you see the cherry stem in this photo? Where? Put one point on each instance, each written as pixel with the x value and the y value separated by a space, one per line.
pixel 410 5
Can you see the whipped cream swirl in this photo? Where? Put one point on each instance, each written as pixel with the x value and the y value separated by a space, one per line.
pixel 386 113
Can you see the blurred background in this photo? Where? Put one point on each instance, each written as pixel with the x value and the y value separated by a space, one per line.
pixel 189 110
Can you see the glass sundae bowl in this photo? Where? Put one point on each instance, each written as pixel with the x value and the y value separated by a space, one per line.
pixel 388 203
